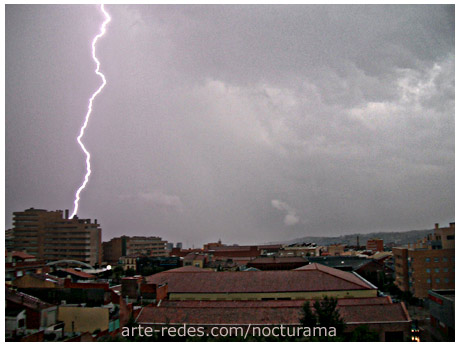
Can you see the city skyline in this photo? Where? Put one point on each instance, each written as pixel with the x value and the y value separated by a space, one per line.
pixel 249 124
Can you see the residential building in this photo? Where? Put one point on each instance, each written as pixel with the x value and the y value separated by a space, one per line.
pixel 336 249
pixel 18 263
pixel 51 236
pixel 9 240
pixel 427 265
pixel 441 304
pixel 39 315
pixel 374 245
pixel 137 245
pixel 277 263
pixel 299 249
pixel 128 262
pixel 195 260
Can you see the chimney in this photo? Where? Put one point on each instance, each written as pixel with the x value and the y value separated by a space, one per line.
pixel 95 221
pixel 67 213
pixel 436 226
pixel 452 224
pixel 357 242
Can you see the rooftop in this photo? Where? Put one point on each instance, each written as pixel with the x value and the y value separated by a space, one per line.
pixel 310 278
pixel 25 300
pixel 357 311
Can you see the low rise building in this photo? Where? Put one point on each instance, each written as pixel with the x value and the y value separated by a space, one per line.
pixel 133 246
pixel 336 249
pixel 299 249
pixel 441 304
pixel 18 263
pixel 195 260
pixel 39 315
pixel 307 282
pixel 374 245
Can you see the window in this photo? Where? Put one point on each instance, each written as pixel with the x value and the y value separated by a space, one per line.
pixel 450 237
pixel 427 259
pixel 428 270
pixel 446 280
pixel 437 280
pixel 428 281
pixel 436 270
pixel 446 270
pixel 444 259
pixel 436 259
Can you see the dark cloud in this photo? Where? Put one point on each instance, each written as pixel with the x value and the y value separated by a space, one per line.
pixel 342 115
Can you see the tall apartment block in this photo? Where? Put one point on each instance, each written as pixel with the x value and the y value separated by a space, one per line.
pixel 51 235
pixel 428 264
pixel 126 246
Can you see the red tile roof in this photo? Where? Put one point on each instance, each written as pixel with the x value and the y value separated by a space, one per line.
pixel 186 269
pixel 195 256
pixel 22 255
pixel 77 273
pixel 270 260
pixel 25 300
pixel 316 278
pixel 269 303
pixel 333 272
pixel 259 312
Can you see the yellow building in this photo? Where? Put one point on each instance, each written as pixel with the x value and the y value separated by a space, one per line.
pixel 83 319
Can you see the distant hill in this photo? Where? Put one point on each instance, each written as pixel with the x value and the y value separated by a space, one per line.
pixel 399 238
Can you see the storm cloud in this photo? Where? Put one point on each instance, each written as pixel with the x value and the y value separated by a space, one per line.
pixel 245 123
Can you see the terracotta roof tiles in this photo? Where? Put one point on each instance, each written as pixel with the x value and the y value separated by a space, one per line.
pixel 312 278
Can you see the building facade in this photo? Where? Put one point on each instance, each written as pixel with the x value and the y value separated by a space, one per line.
pixel 133 246
pixel 427 265
pixel 375 245
pixel 51 236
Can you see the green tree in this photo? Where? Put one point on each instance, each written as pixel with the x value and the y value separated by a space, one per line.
pixel 130 272
pixel 363 333
pixel 323 314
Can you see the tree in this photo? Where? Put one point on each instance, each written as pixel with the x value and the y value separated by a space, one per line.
pixel 324 314
pixel 130 272
pixel 363 333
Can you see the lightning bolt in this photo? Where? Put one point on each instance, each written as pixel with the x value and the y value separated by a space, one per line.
pixel 90 109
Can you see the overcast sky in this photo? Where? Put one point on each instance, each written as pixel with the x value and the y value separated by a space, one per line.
pixel 245 123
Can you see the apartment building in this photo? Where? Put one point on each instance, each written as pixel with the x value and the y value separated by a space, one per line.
pixel 375 245
pixel 51 236
pixel 128 246
pixel 428 264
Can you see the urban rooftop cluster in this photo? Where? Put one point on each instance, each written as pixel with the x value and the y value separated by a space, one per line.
pixel 64 284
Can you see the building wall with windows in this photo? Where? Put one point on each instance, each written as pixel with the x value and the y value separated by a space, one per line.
pixel 430 269
pixel 51 236
pixel 375 245
pixel 429 264
pixel 132 246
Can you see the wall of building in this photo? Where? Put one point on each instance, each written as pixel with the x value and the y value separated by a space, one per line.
pixel 431 269
pixel 52 236
pixel 28 281
pixel 83 319
pixel 401 268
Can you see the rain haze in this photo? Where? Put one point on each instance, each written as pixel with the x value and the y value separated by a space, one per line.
pixel 251 124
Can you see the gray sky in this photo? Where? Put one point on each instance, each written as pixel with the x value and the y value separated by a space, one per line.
pixel 245 123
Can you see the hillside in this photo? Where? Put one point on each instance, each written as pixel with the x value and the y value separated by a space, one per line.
pixel 399 238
